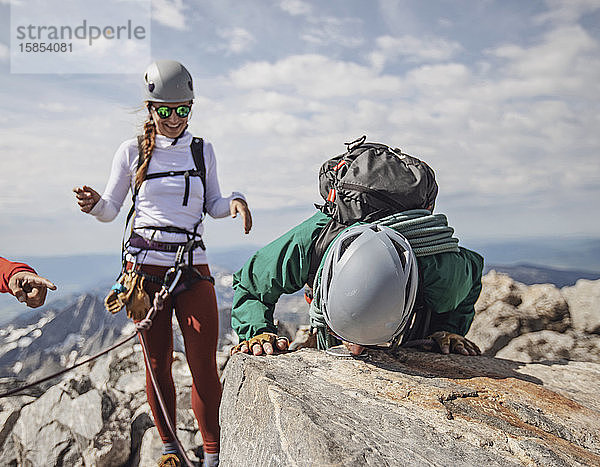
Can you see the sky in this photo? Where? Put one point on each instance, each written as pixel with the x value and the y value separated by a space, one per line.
pixel 501 98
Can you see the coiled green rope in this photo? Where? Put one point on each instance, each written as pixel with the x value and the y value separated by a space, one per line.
pixel 427 233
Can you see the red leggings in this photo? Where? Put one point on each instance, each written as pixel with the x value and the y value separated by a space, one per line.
pixel 197 314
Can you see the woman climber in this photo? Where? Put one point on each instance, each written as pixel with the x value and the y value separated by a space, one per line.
pixel 173 178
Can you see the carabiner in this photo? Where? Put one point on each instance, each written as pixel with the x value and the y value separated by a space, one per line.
pixel 177 272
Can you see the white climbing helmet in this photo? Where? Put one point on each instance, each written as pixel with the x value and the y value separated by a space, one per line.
pixel 168 81
pixel 368 284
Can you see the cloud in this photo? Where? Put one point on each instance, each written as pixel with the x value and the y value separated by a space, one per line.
pixel 561 12
pixel 56 107
pixel 566 60
pixel 498 131
pixel 237 40
pixel 329 30
pixel 413 49
pixel 516 128
pixel 169 13
pixel 4 52
pixel 295 7
pixel 315 76
pixel 325 30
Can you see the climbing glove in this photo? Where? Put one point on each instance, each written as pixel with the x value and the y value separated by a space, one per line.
pixel 129 292
pixel 449 342
pixel 261 340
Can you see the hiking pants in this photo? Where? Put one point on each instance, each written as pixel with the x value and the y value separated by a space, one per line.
pixel 197 314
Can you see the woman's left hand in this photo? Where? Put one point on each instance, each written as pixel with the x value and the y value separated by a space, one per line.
pixel 239 205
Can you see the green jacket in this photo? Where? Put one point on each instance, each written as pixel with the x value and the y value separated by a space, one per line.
pixel 451 282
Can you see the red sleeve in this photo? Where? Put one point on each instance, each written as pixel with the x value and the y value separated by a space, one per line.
pixel 7 269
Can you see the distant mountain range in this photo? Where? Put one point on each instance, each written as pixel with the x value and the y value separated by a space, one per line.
pixel 571 253
pixel 557 261
pixel 531 274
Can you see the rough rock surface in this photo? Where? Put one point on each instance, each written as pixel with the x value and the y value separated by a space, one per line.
pixel 537 322
pixel 97 416
pixel 417 408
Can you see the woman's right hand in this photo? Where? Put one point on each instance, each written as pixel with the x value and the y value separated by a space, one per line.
pixel 87 197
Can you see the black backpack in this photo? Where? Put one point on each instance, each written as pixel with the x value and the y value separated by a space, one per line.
pixel 369 182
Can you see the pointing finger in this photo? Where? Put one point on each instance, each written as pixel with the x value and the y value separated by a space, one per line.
pixel 38 281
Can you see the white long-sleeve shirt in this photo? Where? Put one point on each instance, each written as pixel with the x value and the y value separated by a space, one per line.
pixel 159 202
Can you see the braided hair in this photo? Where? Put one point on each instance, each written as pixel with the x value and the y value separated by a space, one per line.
pixel 147 148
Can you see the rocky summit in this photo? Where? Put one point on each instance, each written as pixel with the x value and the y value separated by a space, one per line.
pixel 97 416
pixel 412 408
pixel 532 399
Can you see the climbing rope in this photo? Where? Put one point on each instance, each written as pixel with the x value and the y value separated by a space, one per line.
pixel 427 233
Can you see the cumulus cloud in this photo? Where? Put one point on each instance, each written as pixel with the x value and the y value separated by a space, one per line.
pixel 565 61
pixel 329 30
pixel 295 7
pixel 56 107
pixel 316 76
pixel 325 30
pixel 496 132
pixel 169 13
pixel 237 40
pixel 562 12
pixel 413 49
pixel 517 128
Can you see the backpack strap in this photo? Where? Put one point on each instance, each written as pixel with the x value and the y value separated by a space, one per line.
pixel 197 147
pixel 319 247
pixel 135 190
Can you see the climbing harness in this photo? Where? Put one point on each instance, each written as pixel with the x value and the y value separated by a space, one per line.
pixel 428 234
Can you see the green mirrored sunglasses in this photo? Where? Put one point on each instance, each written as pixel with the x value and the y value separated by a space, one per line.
pixel 165 111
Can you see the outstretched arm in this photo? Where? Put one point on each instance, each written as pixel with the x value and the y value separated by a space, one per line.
pixel 106 207
pixel 279 268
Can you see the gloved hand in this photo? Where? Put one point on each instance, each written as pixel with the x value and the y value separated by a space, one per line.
pixel 113 302
pixel 262 343
pixel 449 342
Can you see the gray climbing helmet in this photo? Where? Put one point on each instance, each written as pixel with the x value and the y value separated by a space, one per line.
pixel 168 81
pixel 368 284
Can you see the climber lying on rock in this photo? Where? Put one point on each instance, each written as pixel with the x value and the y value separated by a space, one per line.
pixel 381 271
